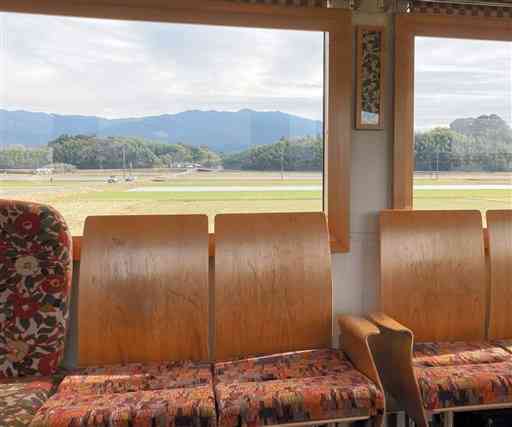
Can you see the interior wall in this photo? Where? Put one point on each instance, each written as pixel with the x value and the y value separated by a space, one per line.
pixel 355 274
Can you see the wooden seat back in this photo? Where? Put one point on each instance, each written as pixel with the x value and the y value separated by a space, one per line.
pixel 143 291
pixel 433 273
pixel 499 227
pixel 273 286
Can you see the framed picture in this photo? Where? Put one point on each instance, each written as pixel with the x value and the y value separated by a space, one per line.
pixel 370 77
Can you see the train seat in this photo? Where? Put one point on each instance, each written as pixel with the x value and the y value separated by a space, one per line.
pixel 473 384
pixel 435 354
pixel 499 230
pixel 439 354
pixel 455 374
pixel 172 393
pixel 35 281
pixel 142 327
pixel 293 387
pixel 273 328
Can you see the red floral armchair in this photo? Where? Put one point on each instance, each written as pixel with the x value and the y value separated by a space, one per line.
pixel 35 280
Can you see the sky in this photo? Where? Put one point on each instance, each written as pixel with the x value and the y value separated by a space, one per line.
pixel 456 78
pixel 119 69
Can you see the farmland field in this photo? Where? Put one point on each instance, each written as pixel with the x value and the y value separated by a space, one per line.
pixel 450 190
pixel 80 194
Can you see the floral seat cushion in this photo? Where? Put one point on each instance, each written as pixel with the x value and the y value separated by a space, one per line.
pixel 165 394
pixel 35 277
pixel 283 366
pixel 458 353
pixel 464 385
pixel 193 406
pixel 20 398
pixel 137 377
pixel 505 344
pixel 293 387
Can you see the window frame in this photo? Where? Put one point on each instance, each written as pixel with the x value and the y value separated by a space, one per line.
pixel 407 28
pixel 336 24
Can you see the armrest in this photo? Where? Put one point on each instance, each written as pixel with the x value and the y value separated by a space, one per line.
pixel 393 354
pixel 355 334
pixel 384 321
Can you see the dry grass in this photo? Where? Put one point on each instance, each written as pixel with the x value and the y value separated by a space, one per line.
pixel 80 195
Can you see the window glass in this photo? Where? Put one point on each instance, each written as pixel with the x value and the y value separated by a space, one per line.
pixel 463 135
pixel 105 117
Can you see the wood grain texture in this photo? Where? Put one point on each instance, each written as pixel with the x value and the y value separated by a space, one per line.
pixel 466 27
pixel 77 244
pixel 392 350
pixel 403 153
pixel 499 226
pixel 433 273
pixel 338 133
pixel 143 292
pixel 407 28
pixel 273 287
pixel 355 336
pixel 208 12
pixel 77 247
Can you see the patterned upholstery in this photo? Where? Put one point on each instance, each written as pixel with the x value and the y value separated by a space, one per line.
pixel 505 344
pixel 173 394
pixel 429 355
pixel 293 387
pixel 136 377
pixel 20 398
pixel 462 374
pixel 463 385
pixel 35 277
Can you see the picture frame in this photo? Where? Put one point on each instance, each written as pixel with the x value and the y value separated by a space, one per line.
pixel 370 77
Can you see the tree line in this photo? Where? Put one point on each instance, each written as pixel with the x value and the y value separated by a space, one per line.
pixel 24 158
pixel 91 152
pixel 481 144
pixel 476 144
pixel 304 154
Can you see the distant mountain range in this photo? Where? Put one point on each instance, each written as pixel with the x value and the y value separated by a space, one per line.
pixel 219 130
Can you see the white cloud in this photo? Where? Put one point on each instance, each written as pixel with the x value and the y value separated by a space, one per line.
pixel 125 69
pixel 461 78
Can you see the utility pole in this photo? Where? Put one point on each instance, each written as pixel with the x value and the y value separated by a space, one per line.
pixel 437 164
pixel 124 162
pixel 282 158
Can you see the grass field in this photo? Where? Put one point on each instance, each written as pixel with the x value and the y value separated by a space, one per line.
pixel 82 194
pixel 478 199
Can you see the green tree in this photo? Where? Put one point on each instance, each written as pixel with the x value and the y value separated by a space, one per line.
pixel 19 157
pixel 91 152
pixel 305 154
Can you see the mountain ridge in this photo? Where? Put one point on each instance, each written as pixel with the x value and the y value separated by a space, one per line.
pixel 222 131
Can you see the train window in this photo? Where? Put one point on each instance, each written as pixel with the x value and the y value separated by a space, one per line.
pixel 453 115
pixel 462 124
pixel 101 116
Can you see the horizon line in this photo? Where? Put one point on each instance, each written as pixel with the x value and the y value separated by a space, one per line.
pixel 156 115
